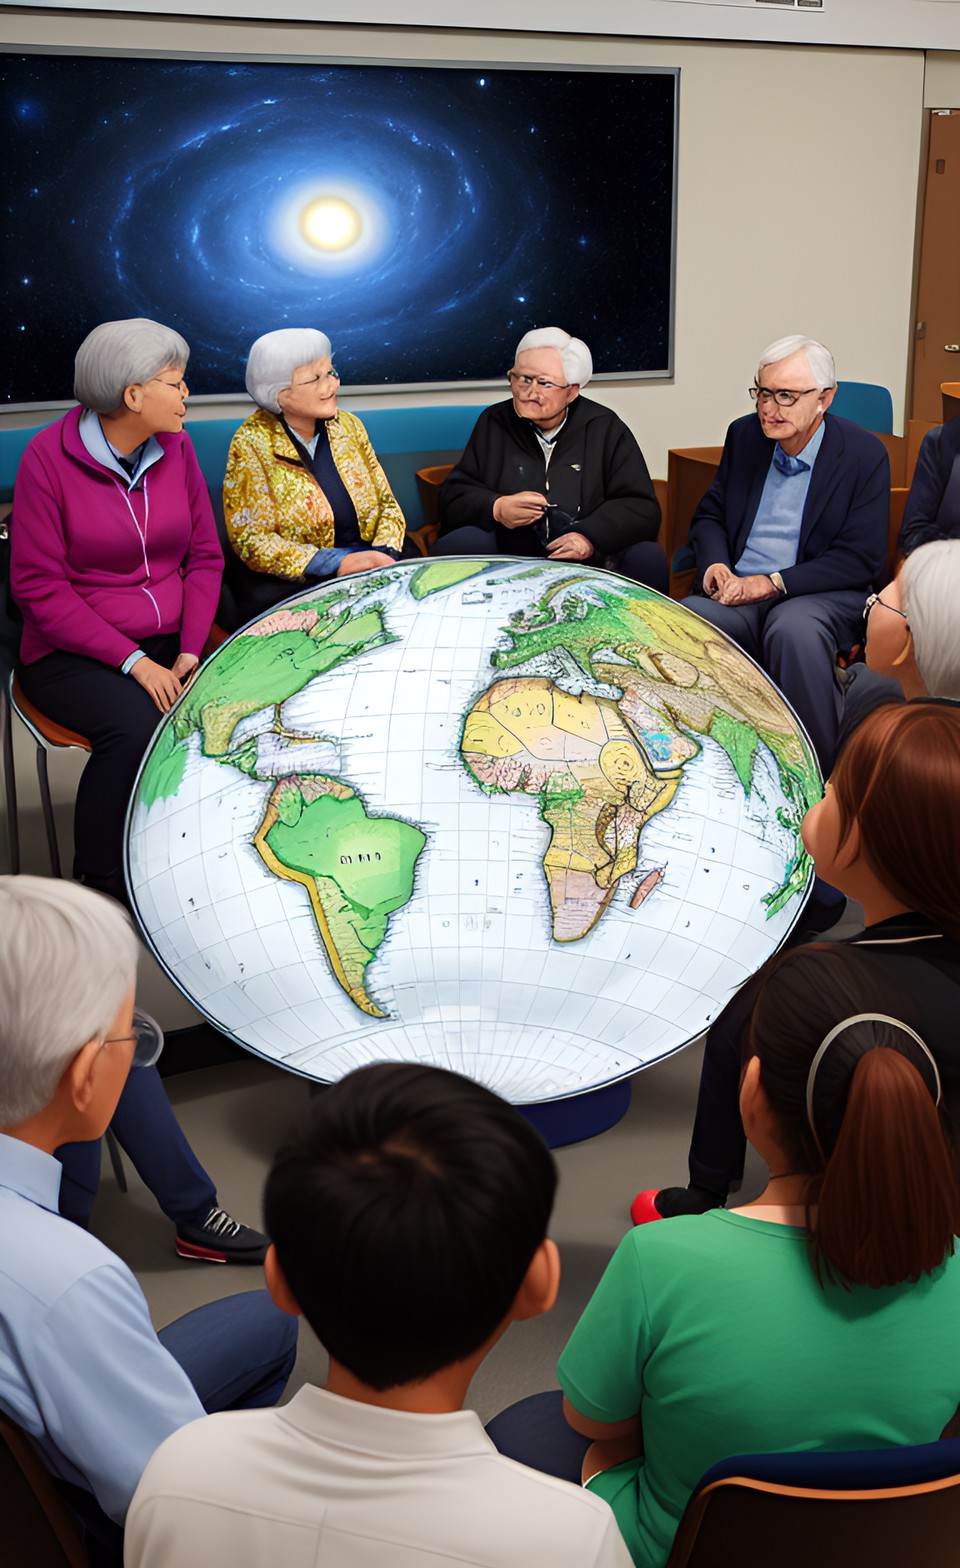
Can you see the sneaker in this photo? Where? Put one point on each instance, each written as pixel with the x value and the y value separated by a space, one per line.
pixel 671 1201
pixel 221 1239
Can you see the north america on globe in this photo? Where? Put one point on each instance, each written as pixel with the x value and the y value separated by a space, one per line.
pixel 384 818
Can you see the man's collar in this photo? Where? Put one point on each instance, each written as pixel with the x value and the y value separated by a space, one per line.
pixel 30 1172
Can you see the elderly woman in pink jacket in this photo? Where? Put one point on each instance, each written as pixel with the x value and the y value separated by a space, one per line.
pixel 116 568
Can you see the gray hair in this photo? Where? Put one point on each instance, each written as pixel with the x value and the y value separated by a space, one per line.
pixel 930 593
pixel 576 357
pixel 121 354
pixel 822 367
pixel 275 356
pixel 67 960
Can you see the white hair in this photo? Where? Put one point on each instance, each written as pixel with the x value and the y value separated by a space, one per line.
pixel 121 354
pixel 276 355
pixel 930 594
pixel 574 354
pixel 68 957
pixel 822 367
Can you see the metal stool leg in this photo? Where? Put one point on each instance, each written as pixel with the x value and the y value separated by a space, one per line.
pixel 116 1159
pixel 10 784
pixel 48 818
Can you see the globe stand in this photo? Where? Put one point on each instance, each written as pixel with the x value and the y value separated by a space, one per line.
pixel 582 1116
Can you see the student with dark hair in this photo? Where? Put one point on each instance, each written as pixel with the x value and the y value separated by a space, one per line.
pixel 821 1316
pixel 887 833
pixel 409 1226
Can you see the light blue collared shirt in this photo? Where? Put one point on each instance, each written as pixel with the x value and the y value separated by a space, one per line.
pixel 81 1369
pixel 96 443
pixel 774 538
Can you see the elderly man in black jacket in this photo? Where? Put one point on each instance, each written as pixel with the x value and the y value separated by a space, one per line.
pixel 553 475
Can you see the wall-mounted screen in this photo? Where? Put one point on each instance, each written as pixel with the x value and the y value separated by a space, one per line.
pixel 424 216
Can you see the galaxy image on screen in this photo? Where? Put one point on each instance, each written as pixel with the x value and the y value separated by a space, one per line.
pixel 424 217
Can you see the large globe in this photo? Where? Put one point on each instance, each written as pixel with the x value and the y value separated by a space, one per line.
pixel 528 821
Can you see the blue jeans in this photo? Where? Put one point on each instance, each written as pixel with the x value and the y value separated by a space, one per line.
pixel 238 1353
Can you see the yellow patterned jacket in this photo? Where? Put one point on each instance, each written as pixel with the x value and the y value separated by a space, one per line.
pixel 278 516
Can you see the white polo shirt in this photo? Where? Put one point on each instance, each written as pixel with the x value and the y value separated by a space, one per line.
pixel 326 1482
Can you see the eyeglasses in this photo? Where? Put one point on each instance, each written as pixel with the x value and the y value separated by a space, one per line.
pixel 517 380
pixel 875 598
pixel 147 1035
pixel 177 386
pixel 311 381
pixel 781 396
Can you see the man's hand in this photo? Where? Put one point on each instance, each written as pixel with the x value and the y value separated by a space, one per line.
pixel 520 510
pixel 570 547
pixel 714 578
pixel 363 561
pixel 185 667
pixel 746 590
pixel 162 684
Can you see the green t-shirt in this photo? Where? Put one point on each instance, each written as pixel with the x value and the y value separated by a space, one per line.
pixel 714 1328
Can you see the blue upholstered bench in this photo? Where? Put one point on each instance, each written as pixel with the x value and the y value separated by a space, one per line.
pixel 404 439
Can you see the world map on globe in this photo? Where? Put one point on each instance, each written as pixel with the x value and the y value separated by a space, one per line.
pixel 529 821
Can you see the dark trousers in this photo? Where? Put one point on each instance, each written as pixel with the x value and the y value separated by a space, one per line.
pixel 238 1353
pixel 719 1143
pixel 147 1130
pixel 645 562
pixel 535 1433
pixel 119 719
pixel 796 642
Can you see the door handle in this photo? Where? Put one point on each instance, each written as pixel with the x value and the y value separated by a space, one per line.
pixel 952 348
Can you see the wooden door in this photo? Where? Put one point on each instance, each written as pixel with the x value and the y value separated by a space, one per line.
pixel 937 347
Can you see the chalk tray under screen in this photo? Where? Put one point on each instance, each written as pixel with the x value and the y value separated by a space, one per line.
pixel 425 216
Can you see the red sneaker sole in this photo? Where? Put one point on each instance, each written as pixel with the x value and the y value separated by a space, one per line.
pixel 190 1249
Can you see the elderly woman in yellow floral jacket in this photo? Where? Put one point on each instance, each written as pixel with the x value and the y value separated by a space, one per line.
pixel 304 495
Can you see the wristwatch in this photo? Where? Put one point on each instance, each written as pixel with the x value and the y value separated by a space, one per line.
pixel 778 583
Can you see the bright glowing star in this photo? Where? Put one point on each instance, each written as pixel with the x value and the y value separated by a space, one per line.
pixel 331 224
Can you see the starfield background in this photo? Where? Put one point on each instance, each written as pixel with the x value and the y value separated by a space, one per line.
pixel 423 217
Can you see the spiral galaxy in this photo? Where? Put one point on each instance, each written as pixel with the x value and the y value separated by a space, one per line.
pixel 423 217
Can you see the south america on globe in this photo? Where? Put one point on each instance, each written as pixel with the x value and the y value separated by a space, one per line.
pixel 526 820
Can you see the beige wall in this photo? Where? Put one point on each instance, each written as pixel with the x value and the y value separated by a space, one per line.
pixel 798 178
pixel 941 87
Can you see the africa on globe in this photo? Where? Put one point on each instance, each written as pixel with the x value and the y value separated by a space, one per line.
pixel 525 820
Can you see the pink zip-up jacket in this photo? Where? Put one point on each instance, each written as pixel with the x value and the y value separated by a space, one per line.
pixel 94 567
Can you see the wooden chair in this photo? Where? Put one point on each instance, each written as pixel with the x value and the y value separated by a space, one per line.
pixel 690 472
pixel 39 1530
pixel 889 1508
pixel 46 734
pixel 429 481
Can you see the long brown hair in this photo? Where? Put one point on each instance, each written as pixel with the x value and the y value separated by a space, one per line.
pixel 898 779
pixel 883 1198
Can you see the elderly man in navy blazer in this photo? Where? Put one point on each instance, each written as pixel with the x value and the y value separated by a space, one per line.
pixel 792 534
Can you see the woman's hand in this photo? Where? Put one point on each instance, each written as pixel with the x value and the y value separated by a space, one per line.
pixel 185 667
pixel 363 561
pixel 162 684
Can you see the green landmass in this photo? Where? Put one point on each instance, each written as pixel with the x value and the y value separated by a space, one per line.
pixel 438 575
pixel 357 869
pixel 257 670
pixel 739 741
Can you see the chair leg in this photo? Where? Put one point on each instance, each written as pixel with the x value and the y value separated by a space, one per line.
pixel 116 1159
pixel 48 818
pixel 10 785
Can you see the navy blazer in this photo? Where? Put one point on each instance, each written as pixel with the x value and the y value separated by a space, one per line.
pixel 846 517
pixel 933 505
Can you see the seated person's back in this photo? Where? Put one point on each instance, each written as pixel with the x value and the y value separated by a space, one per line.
pixel 744 1331
pixel 409 1226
